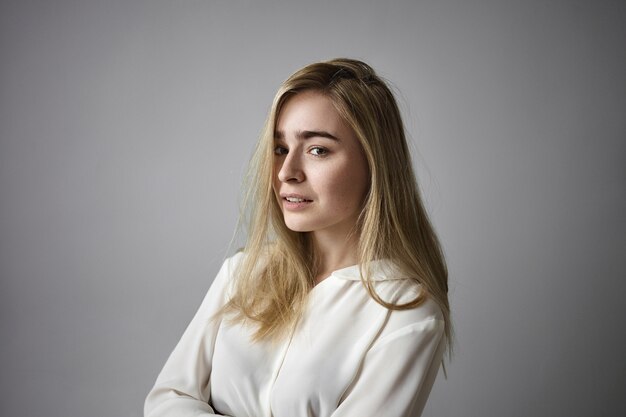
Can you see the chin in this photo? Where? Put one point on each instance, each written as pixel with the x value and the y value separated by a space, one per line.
pixel 301 227
pixel 298 228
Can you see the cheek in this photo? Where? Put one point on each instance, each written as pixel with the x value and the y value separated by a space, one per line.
pixel 345 185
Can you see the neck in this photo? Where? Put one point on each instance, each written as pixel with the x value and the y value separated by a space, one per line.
pixel 334 251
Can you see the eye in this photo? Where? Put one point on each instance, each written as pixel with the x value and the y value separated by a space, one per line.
pixel 280 150
pixel 319 151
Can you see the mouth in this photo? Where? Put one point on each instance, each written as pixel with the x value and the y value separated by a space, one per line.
pixel 295 201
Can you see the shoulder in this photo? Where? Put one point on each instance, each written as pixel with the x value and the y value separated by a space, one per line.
pixel 224 278
pixel 230 265
pixel 260 260
pixel 415 326
pixel 233 261
pixel 426 320
pixel 394 286
pixel 402 291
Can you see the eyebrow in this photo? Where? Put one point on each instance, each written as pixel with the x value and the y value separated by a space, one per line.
pixel 306 134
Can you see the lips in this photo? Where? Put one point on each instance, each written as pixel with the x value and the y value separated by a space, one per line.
pixel 295 201
pixel 295 198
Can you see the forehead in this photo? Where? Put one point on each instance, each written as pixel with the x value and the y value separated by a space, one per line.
pixel 310 110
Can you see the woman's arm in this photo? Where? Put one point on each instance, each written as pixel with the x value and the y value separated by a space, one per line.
pixel 397 373
pixel 183 386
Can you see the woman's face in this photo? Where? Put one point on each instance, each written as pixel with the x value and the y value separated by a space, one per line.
pixel 321 174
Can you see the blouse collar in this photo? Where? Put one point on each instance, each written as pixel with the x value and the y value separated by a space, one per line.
pixel 380 269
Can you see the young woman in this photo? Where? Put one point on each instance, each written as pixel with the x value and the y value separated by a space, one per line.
pixel 337 306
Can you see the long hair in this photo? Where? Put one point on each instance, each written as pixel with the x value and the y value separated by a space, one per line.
pixel 277 273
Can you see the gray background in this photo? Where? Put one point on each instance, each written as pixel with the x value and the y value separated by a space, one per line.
pixel 126 125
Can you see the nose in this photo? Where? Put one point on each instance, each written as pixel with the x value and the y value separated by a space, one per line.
pixel 291 169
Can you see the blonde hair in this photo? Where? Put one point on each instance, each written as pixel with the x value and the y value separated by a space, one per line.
pixel 276 275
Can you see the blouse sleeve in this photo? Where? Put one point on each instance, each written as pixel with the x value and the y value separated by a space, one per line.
pixel 397 373
pixel 183 386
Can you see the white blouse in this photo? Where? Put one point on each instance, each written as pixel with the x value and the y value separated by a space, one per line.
pixel 347 356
